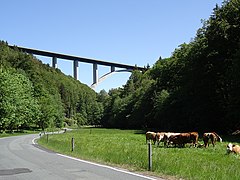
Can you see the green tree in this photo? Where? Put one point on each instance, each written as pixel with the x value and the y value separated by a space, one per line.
pixel 18 107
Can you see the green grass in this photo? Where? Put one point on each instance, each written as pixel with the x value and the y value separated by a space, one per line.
pixel 128 149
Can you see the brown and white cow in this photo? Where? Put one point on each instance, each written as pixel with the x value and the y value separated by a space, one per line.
pixel 151 136
pixel 180 139
pixel 214 137
pixel 160 137
pixel 232 148
pixel 184 138
pixel 167 135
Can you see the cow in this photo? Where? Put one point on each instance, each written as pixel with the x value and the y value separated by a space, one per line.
pixel 232 148
pixel 214 137
pixel 151 136
pixel 183 138
pixel 166 137
pixel 159 137
pixel 194 138
pixel 180 139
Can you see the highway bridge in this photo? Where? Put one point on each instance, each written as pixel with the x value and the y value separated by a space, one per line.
pixel 76 59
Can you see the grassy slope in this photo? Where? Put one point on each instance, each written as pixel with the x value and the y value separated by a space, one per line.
pixel 127 148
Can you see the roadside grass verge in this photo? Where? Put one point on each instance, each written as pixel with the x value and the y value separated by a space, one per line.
pixel 18 133
pixel 26 131
pixel 128 149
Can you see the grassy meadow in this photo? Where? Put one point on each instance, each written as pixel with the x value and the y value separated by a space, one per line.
pixel 128 149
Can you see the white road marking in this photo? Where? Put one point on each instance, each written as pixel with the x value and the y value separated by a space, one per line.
pixel 104 166
pixel 33 140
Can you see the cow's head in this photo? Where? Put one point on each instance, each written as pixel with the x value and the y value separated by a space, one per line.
pixel 229 147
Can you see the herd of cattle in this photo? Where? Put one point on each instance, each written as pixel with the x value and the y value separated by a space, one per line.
pixel 180 139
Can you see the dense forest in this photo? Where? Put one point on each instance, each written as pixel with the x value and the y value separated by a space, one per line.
pixel 197 88
pixel 33 94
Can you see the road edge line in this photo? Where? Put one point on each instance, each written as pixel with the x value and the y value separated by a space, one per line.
pixel 105 166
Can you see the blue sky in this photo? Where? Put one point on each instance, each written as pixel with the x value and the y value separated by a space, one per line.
pixel 124 31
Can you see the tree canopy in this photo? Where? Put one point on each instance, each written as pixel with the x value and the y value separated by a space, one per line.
pixel 34 94
pixel 197 88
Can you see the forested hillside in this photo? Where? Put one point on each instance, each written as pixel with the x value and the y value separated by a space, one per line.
pixel 35 95
pixel 197 88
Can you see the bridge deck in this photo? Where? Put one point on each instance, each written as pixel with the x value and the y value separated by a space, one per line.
pixel 75 58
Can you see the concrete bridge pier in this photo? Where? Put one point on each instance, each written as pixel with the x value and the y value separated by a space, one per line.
pixel 54 62
pixel 112 68
pixel 75 69
pixel 95 73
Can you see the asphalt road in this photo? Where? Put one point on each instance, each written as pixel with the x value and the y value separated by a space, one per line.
pixel 22 159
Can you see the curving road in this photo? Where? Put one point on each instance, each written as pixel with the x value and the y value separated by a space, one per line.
pixel 21 159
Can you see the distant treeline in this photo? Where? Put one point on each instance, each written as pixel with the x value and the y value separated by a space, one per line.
pixel 196 89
